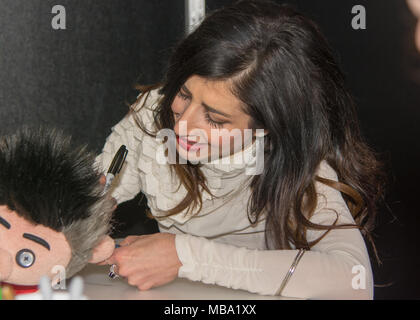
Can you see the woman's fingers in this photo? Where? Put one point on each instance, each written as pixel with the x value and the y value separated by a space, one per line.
pixel 129 240
pixel 114 203
pixel 102 180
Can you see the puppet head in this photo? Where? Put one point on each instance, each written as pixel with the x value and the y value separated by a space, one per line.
pixel 52 211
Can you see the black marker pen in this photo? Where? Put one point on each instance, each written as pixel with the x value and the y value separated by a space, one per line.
pixel 115 166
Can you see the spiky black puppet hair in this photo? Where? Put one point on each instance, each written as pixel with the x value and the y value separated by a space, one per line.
pixel 48 180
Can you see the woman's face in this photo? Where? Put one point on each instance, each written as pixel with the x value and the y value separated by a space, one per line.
pixel 414 5
pixel 209 122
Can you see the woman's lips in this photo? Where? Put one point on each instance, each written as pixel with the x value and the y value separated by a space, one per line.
pixel 188 144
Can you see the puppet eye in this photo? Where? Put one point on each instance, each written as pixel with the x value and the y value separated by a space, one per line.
pixel 25 258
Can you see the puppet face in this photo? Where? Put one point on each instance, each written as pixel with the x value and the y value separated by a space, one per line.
pixel 28 251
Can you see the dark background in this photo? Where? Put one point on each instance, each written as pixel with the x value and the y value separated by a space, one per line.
pixel 79 80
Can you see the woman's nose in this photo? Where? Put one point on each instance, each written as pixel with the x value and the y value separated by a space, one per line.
pixel 189 115
pixel 6 263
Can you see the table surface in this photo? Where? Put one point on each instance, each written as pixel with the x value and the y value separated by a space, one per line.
pixel 98 286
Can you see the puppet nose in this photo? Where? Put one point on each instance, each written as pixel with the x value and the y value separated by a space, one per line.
pixel 6 263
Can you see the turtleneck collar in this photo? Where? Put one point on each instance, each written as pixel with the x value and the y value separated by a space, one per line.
pixel 233 164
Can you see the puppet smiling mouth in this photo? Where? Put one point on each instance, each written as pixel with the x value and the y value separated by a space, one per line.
pixel 20 289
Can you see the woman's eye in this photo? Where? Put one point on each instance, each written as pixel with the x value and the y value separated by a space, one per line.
pixel 183 96
pixel 25 258
pixel 213 123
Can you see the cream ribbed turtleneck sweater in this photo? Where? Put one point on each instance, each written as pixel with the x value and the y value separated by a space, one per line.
pixel 218 245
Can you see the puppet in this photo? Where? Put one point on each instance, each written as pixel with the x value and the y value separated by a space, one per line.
pixel 52 208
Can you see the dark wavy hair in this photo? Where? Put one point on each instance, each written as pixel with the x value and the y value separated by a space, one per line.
pixel 284 72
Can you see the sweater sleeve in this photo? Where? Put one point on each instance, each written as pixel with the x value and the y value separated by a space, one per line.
pixel 126 185
pixel 127 132
pixel 337 267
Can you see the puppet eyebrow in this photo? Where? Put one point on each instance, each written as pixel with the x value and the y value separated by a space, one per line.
pixel 4 223
pixel 36 239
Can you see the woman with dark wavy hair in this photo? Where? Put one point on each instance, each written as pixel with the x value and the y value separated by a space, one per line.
pixel 295 227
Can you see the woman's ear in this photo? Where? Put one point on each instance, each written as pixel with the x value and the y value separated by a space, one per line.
pixel 103 250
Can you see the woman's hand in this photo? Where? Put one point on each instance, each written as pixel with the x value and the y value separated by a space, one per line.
pixel 147 261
